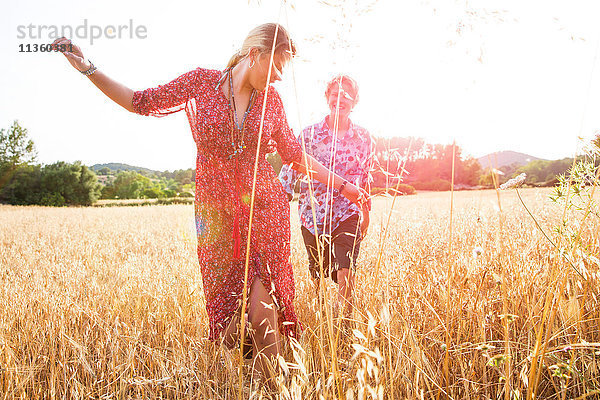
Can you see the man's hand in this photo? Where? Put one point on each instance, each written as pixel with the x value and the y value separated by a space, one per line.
pixel 364 223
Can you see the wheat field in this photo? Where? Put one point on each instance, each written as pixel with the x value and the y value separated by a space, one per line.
pixel 467 300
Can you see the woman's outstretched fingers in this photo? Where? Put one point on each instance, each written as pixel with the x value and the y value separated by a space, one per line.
pixel 62 41
pixel 72 52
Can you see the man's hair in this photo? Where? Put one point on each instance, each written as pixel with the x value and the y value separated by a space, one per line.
pixel 338 81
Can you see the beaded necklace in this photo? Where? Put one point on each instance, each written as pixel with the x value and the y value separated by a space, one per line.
pixel 238 147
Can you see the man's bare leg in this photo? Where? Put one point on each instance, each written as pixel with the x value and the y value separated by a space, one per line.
pixel 345 279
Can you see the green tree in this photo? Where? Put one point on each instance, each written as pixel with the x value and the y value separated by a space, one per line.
pixel 469 172
pixel 188 190
pixel 15 149
pixel 127 185
pixel 75 183
pixel 183 177
pixel 432 167
pixel 542 171
pixel 15 146
pixel 153 192
pixel 57 184
pixel 22 186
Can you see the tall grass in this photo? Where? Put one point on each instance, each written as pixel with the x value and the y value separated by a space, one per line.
pixel 108 302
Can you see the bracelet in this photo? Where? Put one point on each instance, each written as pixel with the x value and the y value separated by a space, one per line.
pixel 90 70
pixel 342 187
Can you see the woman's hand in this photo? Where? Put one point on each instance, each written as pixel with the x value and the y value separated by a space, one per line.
pixel 311 167
pixel 356 195
pixel 73 53
pixel 116 91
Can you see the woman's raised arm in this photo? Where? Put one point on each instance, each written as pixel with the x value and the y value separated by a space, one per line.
pixel 117 92
pixel 310 166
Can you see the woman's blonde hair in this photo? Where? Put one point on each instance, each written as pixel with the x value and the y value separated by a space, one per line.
pixel 263 38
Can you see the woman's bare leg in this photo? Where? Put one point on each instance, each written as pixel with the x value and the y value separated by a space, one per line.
pixel 232 331
pixel 262 314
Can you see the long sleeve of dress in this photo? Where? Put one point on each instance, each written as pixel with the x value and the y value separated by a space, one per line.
pixel 287 146
pixel 169 98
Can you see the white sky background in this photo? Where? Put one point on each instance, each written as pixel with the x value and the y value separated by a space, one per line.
pixel 494 75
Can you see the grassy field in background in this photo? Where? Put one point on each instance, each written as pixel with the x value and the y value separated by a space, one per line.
pixel 108 303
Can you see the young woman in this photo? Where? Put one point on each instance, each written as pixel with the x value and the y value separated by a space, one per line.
pixel 337 224
pixel 224 109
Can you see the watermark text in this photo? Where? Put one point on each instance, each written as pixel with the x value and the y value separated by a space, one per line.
pixel 86 31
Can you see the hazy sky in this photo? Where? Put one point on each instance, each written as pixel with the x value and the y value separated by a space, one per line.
pixel 492 75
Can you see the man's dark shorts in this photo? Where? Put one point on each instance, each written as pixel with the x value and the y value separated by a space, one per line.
pixel 341 252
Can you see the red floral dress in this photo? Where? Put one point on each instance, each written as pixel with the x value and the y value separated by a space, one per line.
pixel 223 193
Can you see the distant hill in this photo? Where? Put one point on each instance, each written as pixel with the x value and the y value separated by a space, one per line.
pixel 123 167
pixel 505 158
